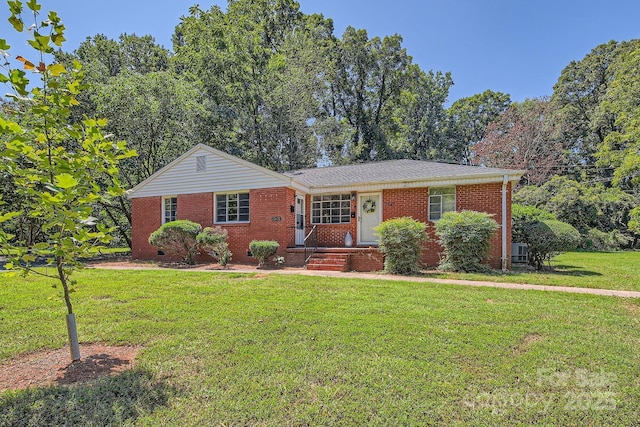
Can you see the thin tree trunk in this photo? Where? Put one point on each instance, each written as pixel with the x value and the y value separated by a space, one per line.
pixel 72 330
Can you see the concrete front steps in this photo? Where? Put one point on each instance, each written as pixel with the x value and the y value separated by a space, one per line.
pixel 328 261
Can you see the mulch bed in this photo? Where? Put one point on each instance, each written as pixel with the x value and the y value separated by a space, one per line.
pixel 54 367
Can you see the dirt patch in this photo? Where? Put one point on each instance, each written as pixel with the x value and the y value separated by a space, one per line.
pixel 632 308
pixel 527 341
pixel 129 264
pixel 53 367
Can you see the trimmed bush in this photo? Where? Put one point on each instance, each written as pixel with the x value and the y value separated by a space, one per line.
pixel 263 249
pixel 597 240
pixel 465 237
pixel 401 242
pixel 178 238
pixel 522 215
pixel 547 238
pixel 213 240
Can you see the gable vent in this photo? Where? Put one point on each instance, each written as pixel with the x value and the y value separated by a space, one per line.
pixel 201 163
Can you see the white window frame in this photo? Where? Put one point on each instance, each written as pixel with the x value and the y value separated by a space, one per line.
pixel 164 209
pixel 226 220
pixel 321 202
pixel 439 200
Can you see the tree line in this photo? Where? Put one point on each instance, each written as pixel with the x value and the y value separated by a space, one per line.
pixel 270 84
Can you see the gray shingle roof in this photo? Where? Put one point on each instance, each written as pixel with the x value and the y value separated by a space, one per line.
pixel 390 171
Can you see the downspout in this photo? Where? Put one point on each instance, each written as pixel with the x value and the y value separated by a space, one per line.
pixel 505 181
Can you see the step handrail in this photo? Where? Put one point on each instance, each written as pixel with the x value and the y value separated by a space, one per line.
pixel 310 244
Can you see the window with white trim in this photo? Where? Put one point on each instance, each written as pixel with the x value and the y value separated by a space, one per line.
pixel 169 209
pixel 331 209
pixel 441 200
pixel 232 207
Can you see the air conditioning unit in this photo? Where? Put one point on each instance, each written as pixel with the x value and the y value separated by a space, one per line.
pixel 519 253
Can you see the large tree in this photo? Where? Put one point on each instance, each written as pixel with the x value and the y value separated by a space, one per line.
pixel 525 137
pixel 620 149
pixel 259 63
pixel 470 117
pixel 581 88
pixel 370 75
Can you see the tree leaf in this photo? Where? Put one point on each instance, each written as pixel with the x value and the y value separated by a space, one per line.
pixel 65 180
pixel 17 23
pixel 56 69
pixel 28 65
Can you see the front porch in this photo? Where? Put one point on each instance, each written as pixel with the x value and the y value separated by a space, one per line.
pixel 336 258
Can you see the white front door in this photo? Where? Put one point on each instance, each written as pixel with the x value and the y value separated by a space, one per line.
pixel 300 220
pixel 369 215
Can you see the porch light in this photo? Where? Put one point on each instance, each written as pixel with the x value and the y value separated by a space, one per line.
pixel 353 196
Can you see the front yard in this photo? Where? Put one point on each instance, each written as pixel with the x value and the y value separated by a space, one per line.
pixel 603 270
pixel 237 349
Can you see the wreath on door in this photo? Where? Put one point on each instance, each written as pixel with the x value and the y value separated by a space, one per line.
pixel 369 206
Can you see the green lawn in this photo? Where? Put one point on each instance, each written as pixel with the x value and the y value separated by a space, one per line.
pixel 232 349
pixel 605 270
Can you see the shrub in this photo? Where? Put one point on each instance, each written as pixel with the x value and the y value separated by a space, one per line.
pixel 263 249
pixel 401 242
pixel 465 238
pixel 214 242
pixel 597 240
pixel 178 238
pixel 522 215
pixel 547 238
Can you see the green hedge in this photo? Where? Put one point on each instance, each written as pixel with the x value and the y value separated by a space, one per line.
pixel 263 249
pixel 178 238
pixel 547 238
pixel 465 237
pixel 401 242
pixel 213 240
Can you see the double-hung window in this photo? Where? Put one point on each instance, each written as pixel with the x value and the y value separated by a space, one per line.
pixel 441 200
pixel 169 209
pixel 232 207
pixel 331 209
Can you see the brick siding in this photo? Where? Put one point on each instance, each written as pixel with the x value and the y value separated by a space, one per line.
pixel 271 218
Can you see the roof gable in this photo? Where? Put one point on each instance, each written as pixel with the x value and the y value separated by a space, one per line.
pixel 203 169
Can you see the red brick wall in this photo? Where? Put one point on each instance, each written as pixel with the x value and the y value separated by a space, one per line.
pixel 265 205
pixel 146 217
pixel 414 202
pixel 488 198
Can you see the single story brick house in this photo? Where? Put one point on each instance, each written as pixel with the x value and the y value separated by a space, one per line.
pixel 316 208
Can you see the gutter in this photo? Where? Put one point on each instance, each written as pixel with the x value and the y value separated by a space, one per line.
pixel 505 181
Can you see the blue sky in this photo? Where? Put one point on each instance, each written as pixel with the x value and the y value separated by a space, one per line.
pixel 513 46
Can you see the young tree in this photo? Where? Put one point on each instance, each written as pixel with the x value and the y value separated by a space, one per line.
pixel 60 169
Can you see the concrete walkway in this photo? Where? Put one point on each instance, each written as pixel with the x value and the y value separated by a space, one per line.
pixel 384 276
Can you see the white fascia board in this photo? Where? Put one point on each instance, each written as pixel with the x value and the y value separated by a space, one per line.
pixel 514 176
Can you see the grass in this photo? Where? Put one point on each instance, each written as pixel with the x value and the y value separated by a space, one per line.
pixel 604 270
pixel 233 349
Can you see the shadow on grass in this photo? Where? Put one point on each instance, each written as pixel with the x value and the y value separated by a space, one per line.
pixel 108 401
pixel 559 269
pixel 571 270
